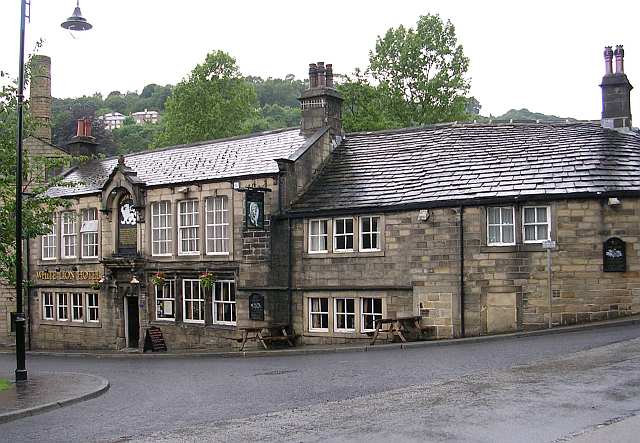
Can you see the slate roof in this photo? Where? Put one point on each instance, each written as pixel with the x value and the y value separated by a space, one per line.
pixel 212 160
pixel 442 164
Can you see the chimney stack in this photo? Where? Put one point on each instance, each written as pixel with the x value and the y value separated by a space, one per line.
pixel 616 91
pixel 321 103
pixel 313 75
pixel 329 75
pixel 40 96
pixel 83 143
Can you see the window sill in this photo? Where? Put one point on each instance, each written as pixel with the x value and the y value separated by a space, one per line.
pixel 75 324
pixel 526 247
pixel 334 334
pixel 343 254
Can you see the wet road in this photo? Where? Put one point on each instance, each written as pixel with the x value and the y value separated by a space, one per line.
pixel 493 391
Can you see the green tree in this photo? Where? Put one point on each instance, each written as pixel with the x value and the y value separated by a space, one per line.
pixel 37 208
pixel 132 137
pixel 423 71
pixel 415 77
pixel 365 106
pixel 214 101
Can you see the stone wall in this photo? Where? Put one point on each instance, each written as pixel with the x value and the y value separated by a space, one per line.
pixel 505 287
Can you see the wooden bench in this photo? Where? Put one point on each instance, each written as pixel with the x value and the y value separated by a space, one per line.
pixel 398 325
pixel 277 333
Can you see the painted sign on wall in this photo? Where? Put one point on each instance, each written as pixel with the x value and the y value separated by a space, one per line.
pixel 127 227
pixel 614 255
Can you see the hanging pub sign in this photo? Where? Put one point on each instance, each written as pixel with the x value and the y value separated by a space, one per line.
pixel 256 307
pixel 254 210
pixel 127 228
pixel 614 255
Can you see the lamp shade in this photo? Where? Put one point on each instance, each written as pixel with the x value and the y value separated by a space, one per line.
pixel 76 22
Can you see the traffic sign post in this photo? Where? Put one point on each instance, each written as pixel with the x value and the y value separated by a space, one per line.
pixel 549 245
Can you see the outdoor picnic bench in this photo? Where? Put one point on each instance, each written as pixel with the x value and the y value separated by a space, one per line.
pixel 277 333
pixel 397 326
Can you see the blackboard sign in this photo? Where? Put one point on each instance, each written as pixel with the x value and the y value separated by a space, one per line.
pixel 254 210
pixel 127 227
pixel 614 255
pixel 256 307
pixel 154 341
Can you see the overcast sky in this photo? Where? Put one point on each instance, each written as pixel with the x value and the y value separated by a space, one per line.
pixel 542 55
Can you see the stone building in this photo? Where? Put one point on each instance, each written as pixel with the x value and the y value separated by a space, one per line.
pixel 327 232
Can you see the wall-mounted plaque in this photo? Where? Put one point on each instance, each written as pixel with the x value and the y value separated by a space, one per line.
pixel 614 255
pixel 256 307
pixel 127 227
pixel 254 210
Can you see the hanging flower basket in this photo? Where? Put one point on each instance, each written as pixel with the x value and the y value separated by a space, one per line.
pixel 158 279
pixel 96 286
pixel 206 280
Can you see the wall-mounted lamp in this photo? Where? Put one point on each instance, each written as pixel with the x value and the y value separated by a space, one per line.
pixel 102 279
pixel 134 280
pixel 614 201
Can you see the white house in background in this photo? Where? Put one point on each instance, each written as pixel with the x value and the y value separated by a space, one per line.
pixel 146 117
pixel 112 120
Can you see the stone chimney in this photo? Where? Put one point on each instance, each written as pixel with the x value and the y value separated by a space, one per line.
pixel 40 96
pixel 321 103
pixel 616 91
pixel 83 143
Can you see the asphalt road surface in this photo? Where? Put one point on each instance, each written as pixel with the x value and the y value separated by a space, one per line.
pixel 543 388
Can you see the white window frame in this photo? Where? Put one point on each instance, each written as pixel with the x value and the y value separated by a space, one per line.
pixel 195 213
pixel 161 211
pixel 89 239
pixel 193 283
pixel 217 216
pixel 346 314
pixel 375 315
pixel 320 312
pixel 220 303
pixel 166 293
pixel 93 307
pixel 48 303
pixel 65 306
pixel 536 223
pixel 501 224
pixel 74 306
pixel 346 234
pixel 319 236
pixel 370 233
pixel 49 243
pixel 69 220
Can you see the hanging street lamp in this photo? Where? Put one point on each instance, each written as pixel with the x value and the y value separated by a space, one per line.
pixel 74 23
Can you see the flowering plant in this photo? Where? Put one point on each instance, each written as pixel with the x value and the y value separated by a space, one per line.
pixel 206 280
pixel 158 278
pixel 96 286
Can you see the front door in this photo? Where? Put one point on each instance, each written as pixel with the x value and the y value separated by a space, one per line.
pixel 132 322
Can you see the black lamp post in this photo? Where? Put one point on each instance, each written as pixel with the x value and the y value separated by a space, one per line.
pixel 74 23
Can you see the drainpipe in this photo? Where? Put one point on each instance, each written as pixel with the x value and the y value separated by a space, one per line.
pixel 290 272
pixel 462 271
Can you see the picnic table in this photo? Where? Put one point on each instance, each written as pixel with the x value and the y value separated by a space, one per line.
pixel 399 325
pixel 277 332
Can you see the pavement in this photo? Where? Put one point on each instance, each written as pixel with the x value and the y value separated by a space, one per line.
pixel 623 430
pixel 323 349
pixel 44 392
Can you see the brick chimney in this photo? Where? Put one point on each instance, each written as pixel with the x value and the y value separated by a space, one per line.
pixel 616 91
pixel 83 143
pixel 321 103
pixel 40 96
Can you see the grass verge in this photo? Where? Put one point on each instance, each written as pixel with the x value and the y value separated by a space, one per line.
pixel 4 384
